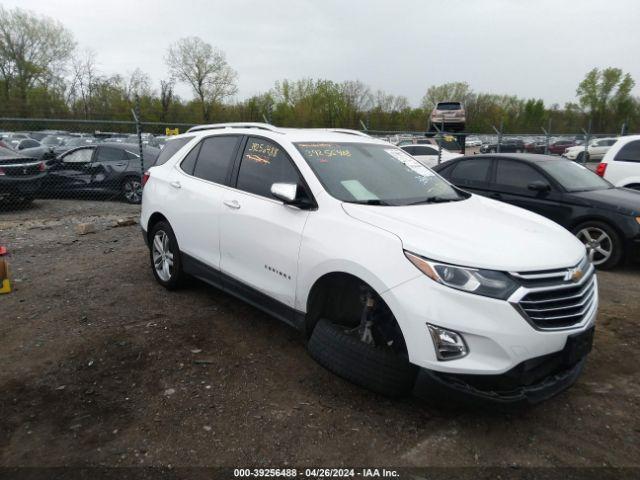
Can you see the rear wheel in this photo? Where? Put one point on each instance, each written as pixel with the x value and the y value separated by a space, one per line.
pixel 166 262
pixel 603 244
pixel 132 190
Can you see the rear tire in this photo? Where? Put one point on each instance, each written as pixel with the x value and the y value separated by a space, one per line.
pixel 165 256
pixel 132 190
pixel 380 370
pixel 603 244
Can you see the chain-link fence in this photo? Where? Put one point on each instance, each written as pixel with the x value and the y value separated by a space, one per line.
pixel 96 160
pixel 43 159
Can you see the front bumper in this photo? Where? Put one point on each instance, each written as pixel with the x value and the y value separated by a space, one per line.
pixel 530 382
pixel 498 337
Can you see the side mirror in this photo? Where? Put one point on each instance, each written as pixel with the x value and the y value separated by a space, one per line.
pixel 539 186
pixel 288 194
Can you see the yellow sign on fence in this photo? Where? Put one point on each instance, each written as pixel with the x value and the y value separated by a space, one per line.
pixel 172 131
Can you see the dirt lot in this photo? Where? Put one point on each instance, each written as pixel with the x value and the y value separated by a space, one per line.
pixel 100 366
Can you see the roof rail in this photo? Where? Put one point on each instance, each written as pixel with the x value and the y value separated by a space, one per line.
pixel 215 126
pixel 347 131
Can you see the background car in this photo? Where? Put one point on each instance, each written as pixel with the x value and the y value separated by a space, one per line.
pixel 596 150
pixel 20 177
pixel 451 115
pixel 472 142
pixel 559 146
pixel 427 155
pixel 110 168
pixel 621 163
pixel 514 145
pixel 26 143
pixel 603 217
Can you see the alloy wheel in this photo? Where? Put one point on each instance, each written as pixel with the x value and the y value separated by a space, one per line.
pixel 133 190
pixel 162 256
pixel 598 242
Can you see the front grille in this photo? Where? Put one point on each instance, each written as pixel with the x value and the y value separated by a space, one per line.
pixel 562 305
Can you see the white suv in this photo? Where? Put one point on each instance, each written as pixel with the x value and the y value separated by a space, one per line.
pixel 398 280
pixel 621 164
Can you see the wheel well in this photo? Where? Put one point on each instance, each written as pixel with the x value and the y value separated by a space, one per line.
pixel 340 297
pixel 153 219
pixel 579 222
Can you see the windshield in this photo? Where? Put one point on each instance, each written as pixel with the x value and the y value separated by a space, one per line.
pixel 574 177
pixel 375 174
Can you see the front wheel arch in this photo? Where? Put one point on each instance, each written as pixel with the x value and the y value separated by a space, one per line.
pixel 336 296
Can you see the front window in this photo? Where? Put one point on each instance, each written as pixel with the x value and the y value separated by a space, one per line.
pixel 574 177
pixel 375 174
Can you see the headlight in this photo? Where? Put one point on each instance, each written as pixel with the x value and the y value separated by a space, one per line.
pixel 489 283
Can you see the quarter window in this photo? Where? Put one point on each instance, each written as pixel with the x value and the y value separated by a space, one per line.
pixel 215 158
pixel 189 161
pixel 516 175
pixel 629 152
pixel 263 164
pixel 170 149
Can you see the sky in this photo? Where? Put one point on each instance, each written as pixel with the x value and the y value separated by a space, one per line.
pixel 533 49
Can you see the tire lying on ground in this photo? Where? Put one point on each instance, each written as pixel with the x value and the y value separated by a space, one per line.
pixel 377 369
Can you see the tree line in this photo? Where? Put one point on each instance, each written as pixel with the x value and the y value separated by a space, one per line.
pixel 44 74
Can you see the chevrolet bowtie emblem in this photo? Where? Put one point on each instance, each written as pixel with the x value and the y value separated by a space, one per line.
pixel 574 274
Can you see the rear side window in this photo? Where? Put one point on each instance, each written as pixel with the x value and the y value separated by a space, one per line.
pixel 263 164
pixel 629 153
pixel 170 149
pixel 517 175
pixel 475 170
pixel 410 150
pixel 215 158
pixel 111 154
pixel 425 151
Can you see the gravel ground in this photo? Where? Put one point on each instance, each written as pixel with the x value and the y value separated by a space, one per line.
pixel 101 366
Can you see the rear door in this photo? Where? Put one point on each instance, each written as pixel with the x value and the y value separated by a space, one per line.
pixel 108 166
pixel 196 189
pixel 510 184
pixel 259 235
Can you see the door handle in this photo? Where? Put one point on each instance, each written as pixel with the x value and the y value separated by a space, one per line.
pixel 497 196
pixel 232 204
pixel 175 184
pixel 120 164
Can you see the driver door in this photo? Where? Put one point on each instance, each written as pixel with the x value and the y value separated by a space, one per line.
pixel 511 185
pixel 71 172
pixel 259 235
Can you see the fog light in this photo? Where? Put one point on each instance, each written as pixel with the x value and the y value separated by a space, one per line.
pixel 449 345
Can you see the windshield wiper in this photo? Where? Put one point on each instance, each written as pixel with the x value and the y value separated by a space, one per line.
pixel 373 201
pixel 435 199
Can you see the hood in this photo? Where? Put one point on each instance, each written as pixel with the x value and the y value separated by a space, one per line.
pixel 476 232
pixel 621 200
